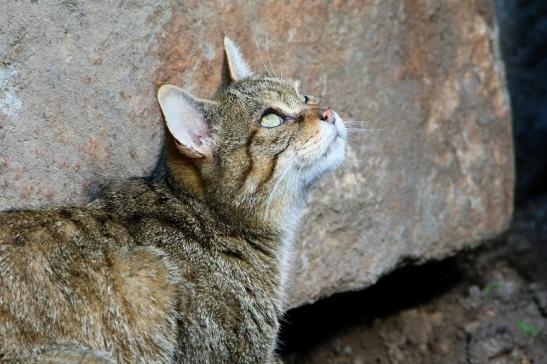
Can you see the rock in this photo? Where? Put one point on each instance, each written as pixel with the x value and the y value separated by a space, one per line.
pixel 474 296
pixel 491 342
pixel 432 172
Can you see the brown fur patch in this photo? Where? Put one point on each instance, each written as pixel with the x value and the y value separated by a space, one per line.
pixel 185 170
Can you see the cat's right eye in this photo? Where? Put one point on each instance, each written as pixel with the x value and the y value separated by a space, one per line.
pixel 271 120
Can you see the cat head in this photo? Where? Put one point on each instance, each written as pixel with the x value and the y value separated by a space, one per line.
pixel 254 149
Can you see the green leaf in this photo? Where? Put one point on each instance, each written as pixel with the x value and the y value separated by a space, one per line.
pixel 491 286
pixel 528 329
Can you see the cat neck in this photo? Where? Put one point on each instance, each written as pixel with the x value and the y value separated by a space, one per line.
pixel 276 219
pixel 269 227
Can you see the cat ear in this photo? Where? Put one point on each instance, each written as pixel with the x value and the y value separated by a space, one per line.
pixel 235 66
pixel 184 116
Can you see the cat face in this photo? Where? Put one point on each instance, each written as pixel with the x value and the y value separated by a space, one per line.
pixel 258 141
pixel 269 123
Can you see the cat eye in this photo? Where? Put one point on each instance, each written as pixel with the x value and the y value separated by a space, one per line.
pixel 305 99
pixel 271 120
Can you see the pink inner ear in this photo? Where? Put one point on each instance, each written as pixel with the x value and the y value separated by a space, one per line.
pixel 198 139
pixel 185 120
pixel 185 123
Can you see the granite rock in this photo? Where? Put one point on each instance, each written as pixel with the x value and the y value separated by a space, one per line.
pixel 430 171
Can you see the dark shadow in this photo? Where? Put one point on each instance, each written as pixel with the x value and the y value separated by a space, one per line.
pixel 308 326
pixel 523 40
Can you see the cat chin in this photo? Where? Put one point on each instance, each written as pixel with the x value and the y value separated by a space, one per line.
pixel 335 155
pixel 332 158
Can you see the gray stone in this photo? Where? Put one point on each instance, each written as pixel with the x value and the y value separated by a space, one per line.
pixel 432 172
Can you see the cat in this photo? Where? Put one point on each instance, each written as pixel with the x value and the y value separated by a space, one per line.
pixel 188 265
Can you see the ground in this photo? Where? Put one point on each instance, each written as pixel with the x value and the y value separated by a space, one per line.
pixel 488 305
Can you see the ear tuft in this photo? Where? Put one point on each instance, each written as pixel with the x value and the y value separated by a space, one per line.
pixel 184 117
pixel 236 66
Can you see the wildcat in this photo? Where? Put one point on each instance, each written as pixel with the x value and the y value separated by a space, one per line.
pixel 189 264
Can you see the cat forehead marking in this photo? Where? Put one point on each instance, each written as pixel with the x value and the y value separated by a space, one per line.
pixel 287 108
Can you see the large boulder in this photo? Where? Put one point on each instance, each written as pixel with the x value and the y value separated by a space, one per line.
pixel 430 173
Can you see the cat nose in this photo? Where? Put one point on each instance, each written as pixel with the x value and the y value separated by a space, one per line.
pixel 327 115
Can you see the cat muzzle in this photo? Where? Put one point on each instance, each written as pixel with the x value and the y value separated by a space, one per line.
pixel 339 124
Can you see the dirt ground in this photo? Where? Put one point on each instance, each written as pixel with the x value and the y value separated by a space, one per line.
pixel 483 306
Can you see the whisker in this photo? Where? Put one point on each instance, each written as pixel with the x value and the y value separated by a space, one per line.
pixel 268 54
pixel 358 126
pixel 261 58
pixel 353 131
pixel 355 126
pixel 361 133
pixel 357 121
pixel 363 129
pixel 285 70
pixel 350 124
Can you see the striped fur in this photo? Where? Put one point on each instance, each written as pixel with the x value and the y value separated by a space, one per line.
pixel 186 266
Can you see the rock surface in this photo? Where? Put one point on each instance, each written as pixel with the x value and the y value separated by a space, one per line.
pixel 431 174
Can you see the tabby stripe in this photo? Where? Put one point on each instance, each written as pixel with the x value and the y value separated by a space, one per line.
pixel 234 254
pixel 273 164
pixel 190 233
pixel 69 215
pixel 250 167
pixel 260 248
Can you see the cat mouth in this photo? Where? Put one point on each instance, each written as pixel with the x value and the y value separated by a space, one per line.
pixel 338 138
pixel 327 161
pixel 339 125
